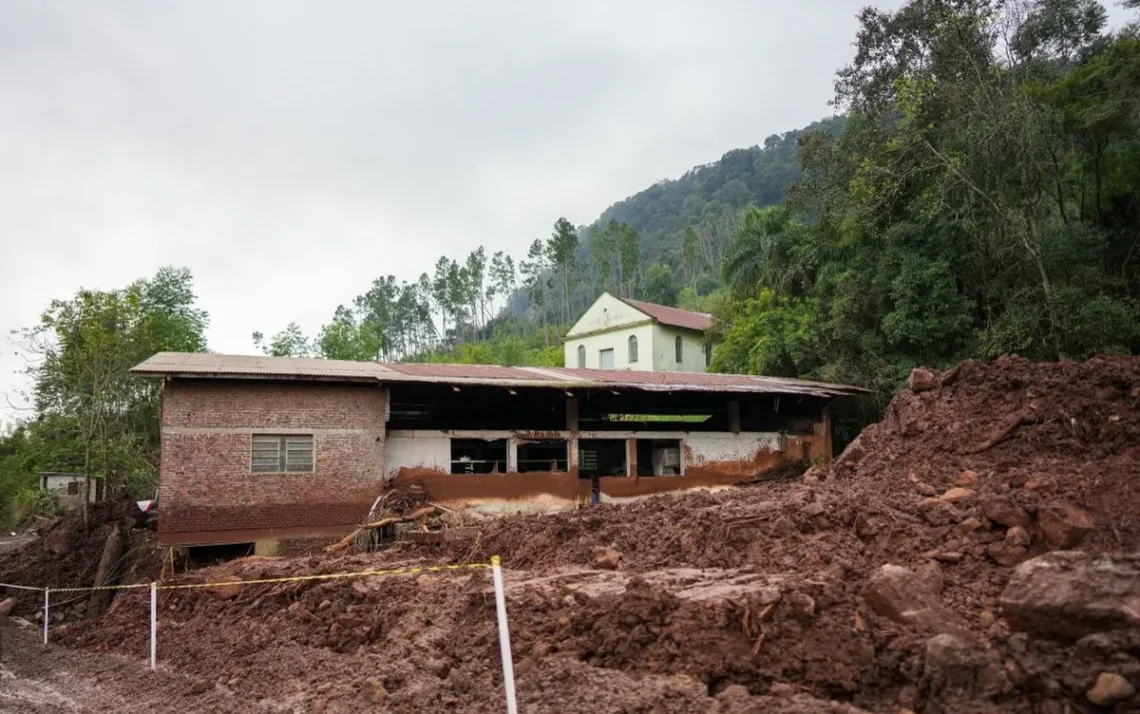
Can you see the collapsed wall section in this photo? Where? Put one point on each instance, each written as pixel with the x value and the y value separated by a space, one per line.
pixel 213 489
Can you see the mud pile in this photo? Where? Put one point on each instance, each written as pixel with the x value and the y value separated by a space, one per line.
pixel 64 554
pixel 880 583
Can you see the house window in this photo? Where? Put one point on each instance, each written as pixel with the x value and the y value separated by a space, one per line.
pixel 632 348
pixel 678 348
pixel 708 353
pixel 73 488
pixel 606 359
pixel 282 453
pixel 581 357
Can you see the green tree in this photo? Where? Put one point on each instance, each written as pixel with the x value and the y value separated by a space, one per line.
pixel 289 342
pixel 659 285
pixel 560 254
pixel 83 393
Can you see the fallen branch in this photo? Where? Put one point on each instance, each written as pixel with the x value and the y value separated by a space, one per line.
pixel 347 540
pixel 1012 424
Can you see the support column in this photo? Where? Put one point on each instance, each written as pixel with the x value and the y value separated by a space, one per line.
pixel 512 454
pixel 734 416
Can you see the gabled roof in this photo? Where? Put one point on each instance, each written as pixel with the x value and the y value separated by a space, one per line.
pixel 672 316
pixel 186 365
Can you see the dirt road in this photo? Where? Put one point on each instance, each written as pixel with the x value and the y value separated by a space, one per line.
pixel 35 679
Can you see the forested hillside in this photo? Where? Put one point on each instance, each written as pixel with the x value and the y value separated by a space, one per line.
pixel 981 197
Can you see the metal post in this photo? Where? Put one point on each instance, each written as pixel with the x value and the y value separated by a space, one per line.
pixel 504 635
pixel 153 627
pixel 47 611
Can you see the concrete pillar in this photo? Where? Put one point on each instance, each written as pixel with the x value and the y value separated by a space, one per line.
pixel 734 416
pixel 512 454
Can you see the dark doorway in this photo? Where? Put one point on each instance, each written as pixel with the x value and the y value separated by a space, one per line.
pixel 544 455
pixel 658 457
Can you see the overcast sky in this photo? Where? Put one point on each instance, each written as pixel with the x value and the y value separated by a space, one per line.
pixel 289 152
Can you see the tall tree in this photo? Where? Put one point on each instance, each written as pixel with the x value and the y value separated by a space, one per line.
pixel 560 253
pixel 628 254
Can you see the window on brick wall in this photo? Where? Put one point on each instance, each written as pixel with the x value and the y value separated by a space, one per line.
pixel 281 453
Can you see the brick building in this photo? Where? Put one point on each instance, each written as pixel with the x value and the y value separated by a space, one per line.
pixel 259 449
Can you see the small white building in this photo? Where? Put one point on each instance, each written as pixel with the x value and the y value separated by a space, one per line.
pixel 619 333
pixel 68 488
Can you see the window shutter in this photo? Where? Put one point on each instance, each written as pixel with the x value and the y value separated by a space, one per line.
pixel 266 453
pixel 632 348
pixel 678 347
pixel 274 453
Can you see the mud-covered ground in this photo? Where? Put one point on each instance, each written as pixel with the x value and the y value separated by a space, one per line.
pixel 881 583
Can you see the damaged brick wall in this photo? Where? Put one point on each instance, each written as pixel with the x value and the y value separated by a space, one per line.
pixel 205 481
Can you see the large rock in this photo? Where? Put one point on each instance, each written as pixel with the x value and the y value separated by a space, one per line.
pixel 909 598
pixel 1109 689
pixel 1005 512
pixel 922 380
pixel 7 606
pixel 1070 594
pixel 1064 525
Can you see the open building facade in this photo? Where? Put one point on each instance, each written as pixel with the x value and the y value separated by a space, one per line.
pixel 263 450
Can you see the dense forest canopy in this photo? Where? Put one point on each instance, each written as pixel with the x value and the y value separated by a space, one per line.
pixel 978 194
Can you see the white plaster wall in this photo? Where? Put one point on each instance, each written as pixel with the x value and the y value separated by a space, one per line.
pixel 427 449
pixel 724 446
pixel 665 353
pixel 618 341
pixel 606 313
pixel 432 449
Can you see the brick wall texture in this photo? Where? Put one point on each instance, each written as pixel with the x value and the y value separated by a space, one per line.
pixel 205 480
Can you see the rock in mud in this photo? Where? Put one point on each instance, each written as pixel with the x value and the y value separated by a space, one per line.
pixel 922 380
pixel 6 606
pixel 938 512
pixel 1070 594
pixel 1064 525
pixel 954 667
pixel 1109 689
pixel 1006 553
pixel 958 495
pixel 967 478
pixel 1005 512
pixel 1017 536
pixel 606 558
pixel 907 597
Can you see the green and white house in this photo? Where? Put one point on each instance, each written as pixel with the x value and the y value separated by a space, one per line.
pixel 619 333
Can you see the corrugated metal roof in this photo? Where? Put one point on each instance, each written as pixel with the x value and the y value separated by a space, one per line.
pixel 672 316
pixel 463 371
pixel 250 367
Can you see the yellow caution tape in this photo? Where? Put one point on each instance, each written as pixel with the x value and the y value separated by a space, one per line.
pixel 101 587
pixel 329 576
pixel 290 579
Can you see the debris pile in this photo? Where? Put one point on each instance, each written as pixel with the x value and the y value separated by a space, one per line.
pixel 115 546
pixel 973 552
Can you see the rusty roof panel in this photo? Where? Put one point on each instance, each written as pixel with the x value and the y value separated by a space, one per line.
pixel 464 371
pixel 253 367
pixel 672 316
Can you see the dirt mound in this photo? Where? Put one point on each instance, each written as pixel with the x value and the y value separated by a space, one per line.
pixel 873 584
pixel 66 554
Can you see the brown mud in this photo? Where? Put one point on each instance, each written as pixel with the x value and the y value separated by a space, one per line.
pixel 773 597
